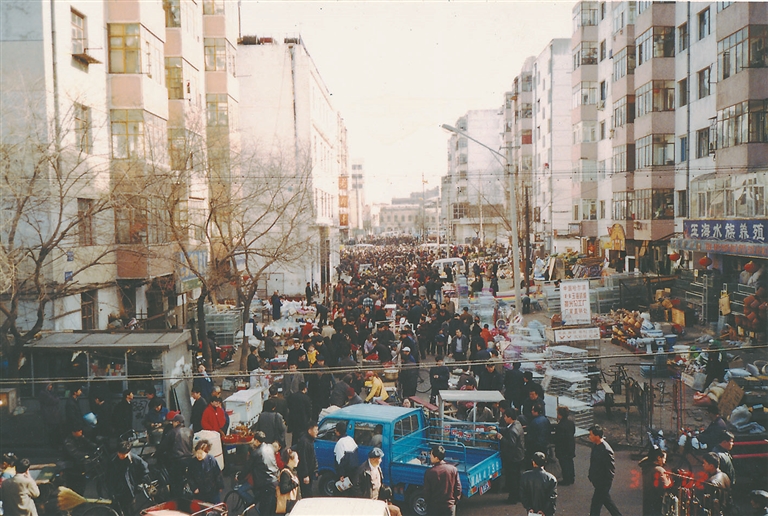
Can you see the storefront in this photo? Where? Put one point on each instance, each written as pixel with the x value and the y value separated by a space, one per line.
pixel 737 251
pixel 116 361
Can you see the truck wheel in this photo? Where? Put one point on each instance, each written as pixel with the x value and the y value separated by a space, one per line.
pixel 327 485
pixel 417 503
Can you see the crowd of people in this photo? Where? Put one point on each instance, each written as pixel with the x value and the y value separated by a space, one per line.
pixel 326 360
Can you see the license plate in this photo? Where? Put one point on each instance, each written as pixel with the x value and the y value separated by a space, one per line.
pixel 485 487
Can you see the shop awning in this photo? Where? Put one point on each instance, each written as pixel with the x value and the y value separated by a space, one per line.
pixel 102 340
pixel 719 247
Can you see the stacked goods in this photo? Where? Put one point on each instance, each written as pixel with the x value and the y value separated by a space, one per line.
pixel 755 311
pixel 627 326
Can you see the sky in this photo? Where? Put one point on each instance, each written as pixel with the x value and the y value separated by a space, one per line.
pixel 397 70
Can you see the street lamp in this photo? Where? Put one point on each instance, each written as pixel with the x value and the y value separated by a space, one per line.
pixel 512 212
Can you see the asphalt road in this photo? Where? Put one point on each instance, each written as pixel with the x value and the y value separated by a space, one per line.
pixel 573 499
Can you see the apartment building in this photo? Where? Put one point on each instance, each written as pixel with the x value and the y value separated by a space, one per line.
pixel 288 116
pixel 474 189
pixel 552 140
pixel 140 97
pixel 357 204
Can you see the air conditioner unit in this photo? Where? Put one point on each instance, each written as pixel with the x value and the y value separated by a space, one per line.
pixel 638 225
pixel 712 148
pixel 610 133
pixel 601 105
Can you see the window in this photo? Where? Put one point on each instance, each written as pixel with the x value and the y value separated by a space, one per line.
pixel 460 210
pixel 602 130
pixel 603 53
pixel 623 205
pixel 79 41
pixel 602 10
pixel 585 54
pixel 743 49
pixel 588 209
pixel 655 150
pixel 327 430
pixel 603 90
pixel 213 6
pixel 365 432
pixel 526 137
pixel 124 48
pixel 624 111
pixel 723 5
pixel 682 37
pixel 82 119
pixel 602 209
pixel 585 132
pixel 584 93
pixel 127 130
pixel 584 15
pixel 655 42
pixel 172 13
pixel 174 78
pixel 88 312
pixel 655 96
pixel 682 203
pixel 702 143
pixel 526 111
pixel 704 82
pixel 624 63
pixel 682 92
pixel 683 149
pixel 623 158
pixel 217 109
pixel 623 15
pixel 742 123
pixel 215 54
pixel 601 169
pixel 704 24
pixel 85 221
pixel 406 426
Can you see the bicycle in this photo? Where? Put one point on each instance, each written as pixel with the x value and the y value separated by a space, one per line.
pixel 241 500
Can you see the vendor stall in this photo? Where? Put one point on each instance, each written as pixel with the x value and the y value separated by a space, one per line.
pixel 117 361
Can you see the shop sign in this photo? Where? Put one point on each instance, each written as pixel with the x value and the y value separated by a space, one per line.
pixel 719 247
pixel 574 302
pixel 617 238
pixel 188 278
pixel 577 334
pixel 742 231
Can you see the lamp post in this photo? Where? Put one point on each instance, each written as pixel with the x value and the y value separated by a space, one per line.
pixel 512 212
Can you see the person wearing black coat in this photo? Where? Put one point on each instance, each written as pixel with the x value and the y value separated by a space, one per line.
pixel 271 423
pixel 602 469
pixel 307 468
pixel 122 414
pixel 339 393
pixel 176 450
pixel 204 474
pixel 198 407
pixel 438 378
pixel 73 415
pixel 299 411
pixel 538 488
pixel 253 359
pixel 320 384
pixel 490 379
pixel 565 444
pixel 124 472
pixel 50 412
pixel 514 384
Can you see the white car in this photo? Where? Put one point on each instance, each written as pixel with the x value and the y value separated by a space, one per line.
pixel 339 507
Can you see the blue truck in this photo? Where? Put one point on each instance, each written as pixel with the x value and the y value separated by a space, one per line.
pixel 406 438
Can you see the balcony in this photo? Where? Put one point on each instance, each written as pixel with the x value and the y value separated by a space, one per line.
pixel 139 261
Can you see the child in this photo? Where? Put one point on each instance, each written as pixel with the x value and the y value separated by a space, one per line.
pixel 311 354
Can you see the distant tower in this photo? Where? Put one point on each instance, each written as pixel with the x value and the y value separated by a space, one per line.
pixel 356 198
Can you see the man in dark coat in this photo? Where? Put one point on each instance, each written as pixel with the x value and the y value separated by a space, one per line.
pixel 320 385
pixel 307 468
pixel 73 415
pixel 490 379
pixel 368 477
pixel 198 407
pixel 270 348
pixel 176 450
pixel 539 431
pixel 50 410
pixel 442 486
pixel 308 293
pixel 299 411
pixel 513 385
pixel 339 393
pixel 602 469
pixel 565 444
pixel 122 414
pixel 125 471
pixel 253 359
pixel 439 375
pixel 78 449
pixel 272 424
pixel 538 488
pixel 512 448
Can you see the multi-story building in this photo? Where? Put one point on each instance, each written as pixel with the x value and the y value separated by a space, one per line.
pixel 140 98
pixel 288 115
pixel 473 191
pixel 552 139
pixel 357 199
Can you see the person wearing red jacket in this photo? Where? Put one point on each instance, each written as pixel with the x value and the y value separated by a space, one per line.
pixel 214 417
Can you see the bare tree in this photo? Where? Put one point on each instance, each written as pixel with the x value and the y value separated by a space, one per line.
pixel 55 216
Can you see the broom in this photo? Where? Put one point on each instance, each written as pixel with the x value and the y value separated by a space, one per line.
pixel 68 499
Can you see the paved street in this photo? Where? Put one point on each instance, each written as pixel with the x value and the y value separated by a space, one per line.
pixel 574 499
